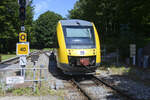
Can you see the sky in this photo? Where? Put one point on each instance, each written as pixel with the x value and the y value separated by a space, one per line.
pixel 58 6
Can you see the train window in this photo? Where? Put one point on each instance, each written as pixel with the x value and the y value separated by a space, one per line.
pixel 79 37
pixel 80 32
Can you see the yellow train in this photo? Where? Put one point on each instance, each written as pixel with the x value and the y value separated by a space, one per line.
pixel 78 49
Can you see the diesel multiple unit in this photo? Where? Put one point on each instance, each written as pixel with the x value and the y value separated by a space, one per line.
pixel 78 47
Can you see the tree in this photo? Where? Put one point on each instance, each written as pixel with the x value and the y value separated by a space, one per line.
pixel 76 12
pixel 10 24
pixel 45 28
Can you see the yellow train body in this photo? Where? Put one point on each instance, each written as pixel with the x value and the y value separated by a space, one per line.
pixel 64 53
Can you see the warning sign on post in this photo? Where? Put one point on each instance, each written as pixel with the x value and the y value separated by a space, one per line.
pixel 22 48
pixel 23 60
pixel 22 37
pixel 15 80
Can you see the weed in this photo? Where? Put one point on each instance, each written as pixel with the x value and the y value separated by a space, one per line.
pixel 22 91
pixel 2 93
pixel 7 56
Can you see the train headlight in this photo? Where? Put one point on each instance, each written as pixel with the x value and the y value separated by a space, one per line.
pixel 69 52
pixel 94 52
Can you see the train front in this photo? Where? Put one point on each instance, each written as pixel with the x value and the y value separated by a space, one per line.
pixel 80 52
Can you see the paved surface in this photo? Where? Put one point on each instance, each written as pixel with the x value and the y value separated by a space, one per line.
pixel 31 98
pixel 4 66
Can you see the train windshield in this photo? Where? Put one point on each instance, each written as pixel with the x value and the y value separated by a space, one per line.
pixel 79 37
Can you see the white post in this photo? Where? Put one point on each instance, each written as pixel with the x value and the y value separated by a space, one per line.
pixel 134 60
pixel 22 63
pixel 34 75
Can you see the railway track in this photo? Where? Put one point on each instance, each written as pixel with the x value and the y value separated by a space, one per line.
pixel 83 92
pixel 124 94
pixel 94 88
pixel 15 60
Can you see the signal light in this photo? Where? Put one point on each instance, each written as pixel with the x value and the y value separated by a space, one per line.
pixel 22 9
pixel 22 12
pixel 22 3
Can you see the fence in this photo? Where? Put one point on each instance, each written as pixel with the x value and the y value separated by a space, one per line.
pixel 12 76
pixel 110 58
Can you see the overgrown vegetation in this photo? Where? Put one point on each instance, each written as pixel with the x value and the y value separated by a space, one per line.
pixel 2 93
pixel 45 29
pixel 28 91
pixel 40 32
pixel 7 56
pixel 10 24
pixel 115 70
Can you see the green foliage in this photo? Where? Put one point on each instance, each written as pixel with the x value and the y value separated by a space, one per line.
pixel 7 56
pixel 22 91
pixel 25 92
pixel 2 93
pixel 10 24
pixel 45 28
pixel 44 90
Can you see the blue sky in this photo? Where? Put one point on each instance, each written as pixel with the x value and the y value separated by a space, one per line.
pixel 58 6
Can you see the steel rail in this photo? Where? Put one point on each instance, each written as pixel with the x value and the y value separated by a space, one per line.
pixel 9 60
pixel 80 88
pixel 115 89
pixel 16 58
pixel 46 53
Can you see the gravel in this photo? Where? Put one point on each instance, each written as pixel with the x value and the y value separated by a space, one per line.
pixel 100 92
pixel 137 90
pixel 59 81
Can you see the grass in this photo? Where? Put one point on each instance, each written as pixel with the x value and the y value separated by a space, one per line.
pixel 21 91
pixel 28 91
pixel 116 70
pixel 48 49
pixel 32 50
pixel 2 93
pixel 7 56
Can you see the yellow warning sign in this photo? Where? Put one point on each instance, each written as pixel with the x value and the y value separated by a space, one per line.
pixel 22 48
pixel 22 37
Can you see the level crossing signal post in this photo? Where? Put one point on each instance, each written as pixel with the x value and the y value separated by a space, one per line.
pixel 22 48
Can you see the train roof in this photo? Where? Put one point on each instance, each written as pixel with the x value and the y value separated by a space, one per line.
pixel 75 22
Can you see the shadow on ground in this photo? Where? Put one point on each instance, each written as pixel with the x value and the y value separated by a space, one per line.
pixel 55 71
pixel 133 81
